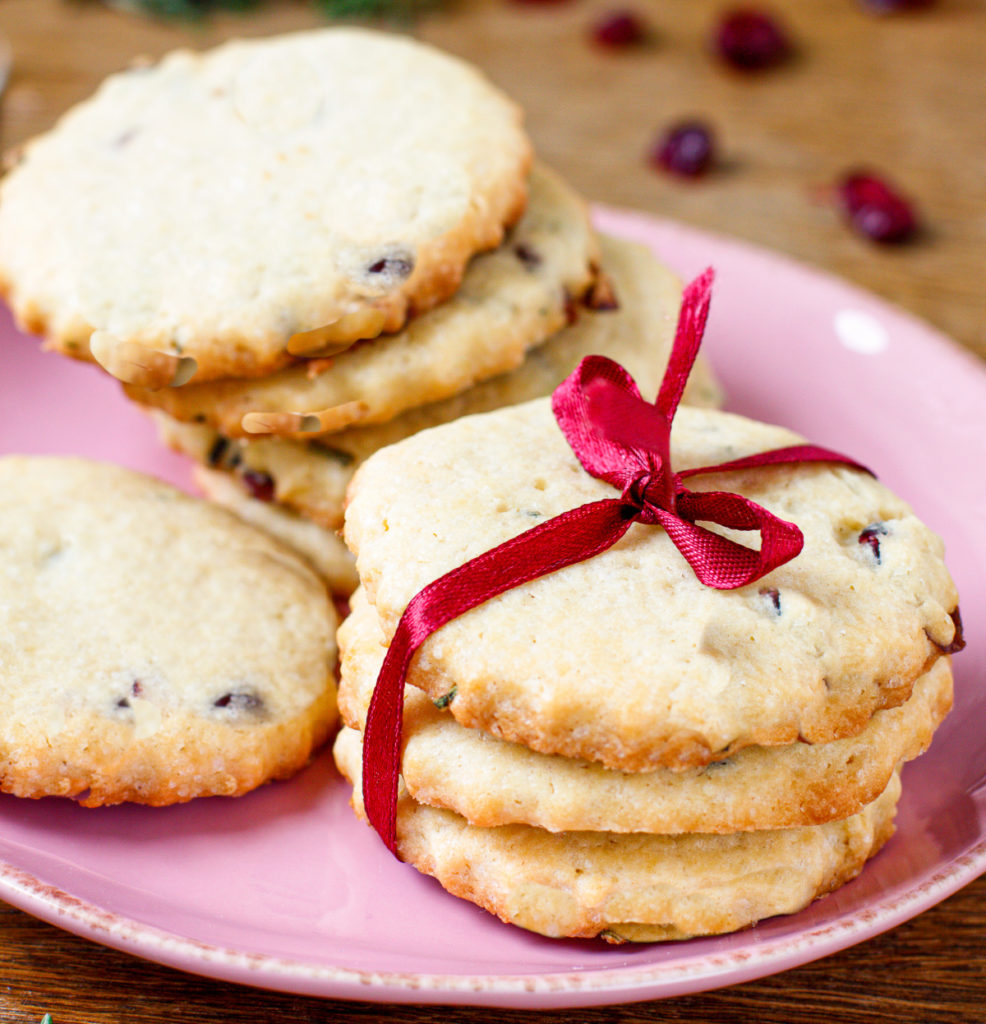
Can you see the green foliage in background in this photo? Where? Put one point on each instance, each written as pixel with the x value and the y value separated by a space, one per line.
pixel 195 9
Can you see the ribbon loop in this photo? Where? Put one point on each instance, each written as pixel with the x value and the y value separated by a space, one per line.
pixel 718 561
pixel 583 405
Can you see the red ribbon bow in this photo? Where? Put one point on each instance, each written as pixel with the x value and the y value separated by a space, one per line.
pixel 622 439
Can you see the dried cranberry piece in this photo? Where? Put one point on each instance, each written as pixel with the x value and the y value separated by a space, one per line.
pixel 527 255
pixel 392 266
pixel 619 29
pixel 601 295
pixel 240 701
pixel 875 208
pixel 751 40
pixel 259 484
pixel 870 537
pixel 958 640
pixel 136 690
pixel 686 148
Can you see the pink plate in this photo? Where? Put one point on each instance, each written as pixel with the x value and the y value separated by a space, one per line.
pixel 284 889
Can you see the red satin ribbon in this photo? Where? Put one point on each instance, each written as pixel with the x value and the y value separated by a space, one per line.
pixel 622 439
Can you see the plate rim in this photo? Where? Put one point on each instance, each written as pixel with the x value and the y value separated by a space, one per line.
pixel 50 903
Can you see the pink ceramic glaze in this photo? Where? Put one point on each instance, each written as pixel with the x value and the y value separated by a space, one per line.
pixel 284 889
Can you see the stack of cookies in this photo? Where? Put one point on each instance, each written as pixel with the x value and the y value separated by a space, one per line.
pixel 616 749
pixel 299 249
pixel 296 488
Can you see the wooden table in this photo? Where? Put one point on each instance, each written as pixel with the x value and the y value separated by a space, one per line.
pixel 905 95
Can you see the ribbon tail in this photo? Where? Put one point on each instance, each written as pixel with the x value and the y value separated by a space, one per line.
pixel 571 537
pixel 717 561
pixel 778 457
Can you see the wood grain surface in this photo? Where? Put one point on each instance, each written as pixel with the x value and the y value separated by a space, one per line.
pixel 905 95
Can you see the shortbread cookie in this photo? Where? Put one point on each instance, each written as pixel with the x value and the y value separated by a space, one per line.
pixel 323 549
pixel 635 887
pixel 510 300
pixel 311 477
pixel 626 658
pixel 492 782
pixel 221 206
pixel 153 648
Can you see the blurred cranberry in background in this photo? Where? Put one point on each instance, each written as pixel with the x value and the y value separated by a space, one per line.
pixel 620 29
pixel 751 39
pixel 686 149
pixel 875 208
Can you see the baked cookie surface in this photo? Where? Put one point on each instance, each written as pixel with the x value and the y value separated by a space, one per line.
pixel 510 300
pixel 153 648
pixel 631 887
pixel 492 782
pixel 217 205
pixel 311 477
pixel 626 658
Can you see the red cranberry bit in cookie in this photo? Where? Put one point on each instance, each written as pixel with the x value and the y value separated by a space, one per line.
pixel 958 637
pixel 875 209
pixel 619 29
pixel 396 266
pixel 136 690
pixel 259 485
pixel 686 149
pixel 240 701
pixel 527 255
pixel 870 537
pixel 958 641
pixel 751 40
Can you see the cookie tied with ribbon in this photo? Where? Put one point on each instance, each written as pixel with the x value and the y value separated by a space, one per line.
pixel 626 441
